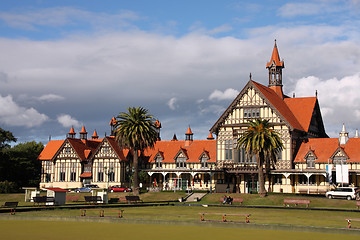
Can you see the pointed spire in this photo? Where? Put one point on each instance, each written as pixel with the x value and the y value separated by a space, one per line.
pixel 210 137
pixel 189 132
pixel 343 136
pixel 188 137
pixel 275 58
pixel 95 135
pixel 83 133
pixel 357 133
pixel 71 133
pixel 174 138
pixel 275 67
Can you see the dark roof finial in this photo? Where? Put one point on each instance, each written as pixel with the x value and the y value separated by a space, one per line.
pixel 316 93
pixel 250 77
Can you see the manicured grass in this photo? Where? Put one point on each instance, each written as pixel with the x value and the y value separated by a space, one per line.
pixel 293 217
pixel 30 230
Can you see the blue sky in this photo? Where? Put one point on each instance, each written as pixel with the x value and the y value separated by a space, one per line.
pixel 74 63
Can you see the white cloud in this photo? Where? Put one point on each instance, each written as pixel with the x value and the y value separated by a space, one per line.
pixel 226 95
pixel 50 98
pixel 67 121
pixel 172 103
pixel 339 98
pixel 12 114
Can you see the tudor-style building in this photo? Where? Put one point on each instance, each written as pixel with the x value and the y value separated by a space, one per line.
pixel 340 155
pixel 185 164
pixel 72 162
pixel 295 119
pixel 174 164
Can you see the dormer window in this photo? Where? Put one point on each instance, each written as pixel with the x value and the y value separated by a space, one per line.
pixel 158 162
pixel 204 162
pixel 181 162
pixel 339 160
pixel 310 161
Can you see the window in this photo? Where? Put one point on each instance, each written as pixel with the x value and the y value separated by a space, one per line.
pixel 111 172
pixel 278 179
pixel 158 162
pixel 48 177
pixel 339 160
pixel 204 163
pixel 310 161
pixel 229 145
pixel 245 158
pixel 303 180
pixel 251 112
pixel 100 172
pixel 48 166
pixel 73 172
pixel 106 149
pixel 62 171
pixel 67 150
pixel 181 162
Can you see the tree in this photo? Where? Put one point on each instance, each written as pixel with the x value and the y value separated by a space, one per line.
pixel 263 142
pixel 5 138
pixel 21 164
pixel 136 131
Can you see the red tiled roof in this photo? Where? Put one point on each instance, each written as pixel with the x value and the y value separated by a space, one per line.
pixel 324 148
pixel 122 153
pixel 303 109
pixel 171 148
pixel 279 104
pixel 50 149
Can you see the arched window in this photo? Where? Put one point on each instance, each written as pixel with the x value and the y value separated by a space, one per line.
pixel 310 161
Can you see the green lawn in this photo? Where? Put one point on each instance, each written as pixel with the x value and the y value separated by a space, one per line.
pixel 88 230
pixel 191 214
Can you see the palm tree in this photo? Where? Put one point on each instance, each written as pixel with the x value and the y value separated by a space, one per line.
pixel 263 142
pixel 136 131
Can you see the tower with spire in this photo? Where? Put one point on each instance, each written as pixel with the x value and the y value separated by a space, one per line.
pixel 275 67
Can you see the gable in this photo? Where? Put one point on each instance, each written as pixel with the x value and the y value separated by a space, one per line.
pixel 110 149
pixel 259 101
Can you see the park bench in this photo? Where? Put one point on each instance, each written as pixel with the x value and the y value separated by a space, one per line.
pixel 247 216
pixel 11 205
pixel 296 202
pixel 92 199
pixel 133 199
pixel 102 212
pixel 43 199
pixel 349 220
pixel 235 199
pixel 72 198
pixel 358 204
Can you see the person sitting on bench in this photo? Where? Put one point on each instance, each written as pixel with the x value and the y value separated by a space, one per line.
pixel 229 200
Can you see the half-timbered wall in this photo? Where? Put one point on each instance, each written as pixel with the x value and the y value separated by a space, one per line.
pixel 250 106
pixel 107 168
